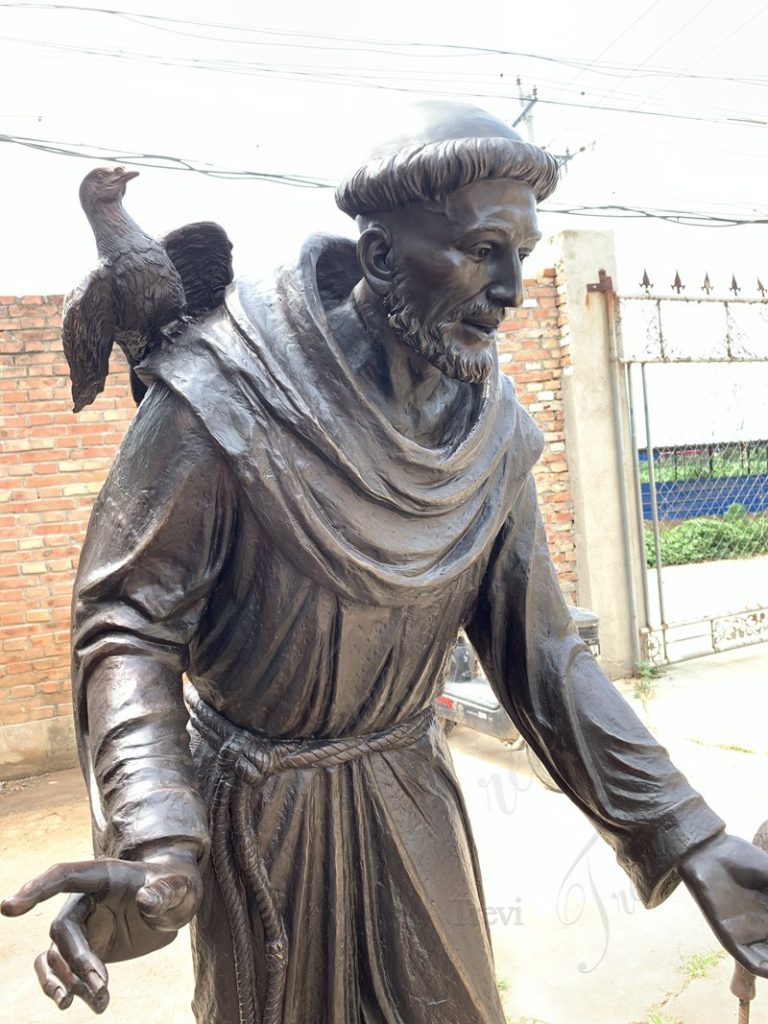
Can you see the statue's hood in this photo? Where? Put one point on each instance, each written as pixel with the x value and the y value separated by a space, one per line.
pixel 350 500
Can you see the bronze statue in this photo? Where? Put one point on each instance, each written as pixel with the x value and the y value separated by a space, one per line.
pixel 327 478
pixel 139 286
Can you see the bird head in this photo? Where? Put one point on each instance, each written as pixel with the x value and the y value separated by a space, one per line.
pixel 104 185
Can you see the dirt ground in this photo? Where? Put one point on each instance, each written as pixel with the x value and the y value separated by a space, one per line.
pixel 572 944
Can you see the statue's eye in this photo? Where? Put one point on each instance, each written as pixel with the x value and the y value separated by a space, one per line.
pixel 481 251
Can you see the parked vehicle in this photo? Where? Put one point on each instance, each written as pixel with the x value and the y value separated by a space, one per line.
pixel 468 698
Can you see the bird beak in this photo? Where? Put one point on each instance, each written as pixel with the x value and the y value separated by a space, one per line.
pixel 124 176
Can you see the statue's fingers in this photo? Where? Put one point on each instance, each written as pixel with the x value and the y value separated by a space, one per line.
pixel 75 987
pixel 69 937
pixel 53 983
pixel 749 928
pixel 755 958
pixel 60 968
pixel 168 903
pixel 81 876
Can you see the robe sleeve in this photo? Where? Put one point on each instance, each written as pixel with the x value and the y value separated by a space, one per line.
pixel 586 734
pixel 158 538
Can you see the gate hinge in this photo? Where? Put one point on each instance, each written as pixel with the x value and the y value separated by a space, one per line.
pixel 604 284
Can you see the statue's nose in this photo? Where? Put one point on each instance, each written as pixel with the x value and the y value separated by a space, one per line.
pixel 507 289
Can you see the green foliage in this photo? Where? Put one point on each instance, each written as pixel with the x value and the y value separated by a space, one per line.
pixel 700 964
pixel 704 539
pixel 725 460
pixel 654 1017
pixel 735 513
pixel 645 683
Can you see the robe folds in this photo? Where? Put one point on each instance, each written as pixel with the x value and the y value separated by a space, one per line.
pixel 267 531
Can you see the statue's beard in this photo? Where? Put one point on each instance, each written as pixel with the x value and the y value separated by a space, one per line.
pixel 432 339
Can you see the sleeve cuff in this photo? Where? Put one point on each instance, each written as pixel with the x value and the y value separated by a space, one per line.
pixel 651 857
pixel 161 816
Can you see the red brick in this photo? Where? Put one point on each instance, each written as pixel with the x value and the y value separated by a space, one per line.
pixel 37 423
pixel 76 451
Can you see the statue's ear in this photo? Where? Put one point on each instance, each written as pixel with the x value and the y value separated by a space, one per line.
pixel 373 251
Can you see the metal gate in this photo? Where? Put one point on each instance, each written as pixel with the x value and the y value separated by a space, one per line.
pixel 696 373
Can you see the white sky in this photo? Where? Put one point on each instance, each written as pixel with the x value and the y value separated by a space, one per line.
pixel 270 111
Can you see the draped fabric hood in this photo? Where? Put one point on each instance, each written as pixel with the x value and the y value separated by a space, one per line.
pixel 351 501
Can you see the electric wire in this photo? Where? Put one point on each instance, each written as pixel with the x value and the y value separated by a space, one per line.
pixel 715 46
pixel 673 35
pixel 161 161
pixel 421 80
pixel 438 50
pixel 168 162
pixel 319 75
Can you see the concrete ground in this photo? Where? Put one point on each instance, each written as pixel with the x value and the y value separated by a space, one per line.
pixel 703 589
pixel 572 944
pixel 697 592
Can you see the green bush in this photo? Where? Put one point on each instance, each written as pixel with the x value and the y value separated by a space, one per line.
pixel 735 513
pixel 709 539
pixel 726 460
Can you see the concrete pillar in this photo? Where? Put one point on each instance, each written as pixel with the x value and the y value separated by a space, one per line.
pixel 608 546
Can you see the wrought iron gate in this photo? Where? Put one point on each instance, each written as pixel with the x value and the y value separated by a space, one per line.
pixel 696 372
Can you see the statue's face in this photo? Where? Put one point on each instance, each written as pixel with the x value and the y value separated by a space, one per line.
pixel 455 268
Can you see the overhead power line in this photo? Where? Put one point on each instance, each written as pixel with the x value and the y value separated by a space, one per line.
pixel 592 63
pixel 674 35
pixel 321 41
pixel 161 161
pixel 383 80
pixel 689 218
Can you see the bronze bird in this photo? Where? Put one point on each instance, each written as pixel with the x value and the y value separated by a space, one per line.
pixel 139 286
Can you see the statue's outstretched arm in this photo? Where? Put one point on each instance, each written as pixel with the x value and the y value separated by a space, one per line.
pixel 157 540
pixel 592 742
pixel 598 750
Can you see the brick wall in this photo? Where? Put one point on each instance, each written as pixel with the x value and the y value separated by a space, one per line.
pixel 52 464
pixel 532 353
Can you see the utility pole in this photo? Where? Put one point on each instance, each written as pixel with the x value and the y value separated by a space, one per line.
pixel 527 103
pixel 525 118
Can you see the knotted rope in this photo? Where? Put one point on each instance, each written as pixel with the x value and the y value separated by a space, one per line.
pixel 246 760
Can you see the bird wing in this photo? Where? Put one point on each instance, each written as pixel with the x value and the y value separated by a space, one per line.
pixel 202 255
pixel 87 334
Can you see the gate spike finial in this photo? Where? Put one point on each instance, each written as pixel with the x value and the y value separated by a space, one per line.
pixel 677 284
pixel 761 288
pixel 646 282
pixel 734 287
pixel 707 286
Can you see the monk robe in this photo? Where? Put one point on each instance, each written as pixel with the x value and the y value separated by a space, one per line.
pixel 266 531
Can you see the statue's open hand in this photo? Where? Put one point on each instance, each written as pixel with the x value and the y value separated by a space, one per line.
pixel 728 878
pixel 119 909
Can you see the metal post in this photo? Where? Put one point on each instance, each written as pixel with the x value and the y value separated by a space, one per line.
pixel 654 511
pixel 606 286
pixel 639 493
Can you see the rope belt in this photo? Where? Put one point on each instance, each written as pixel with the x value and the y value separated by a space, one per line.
pixel 246 760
